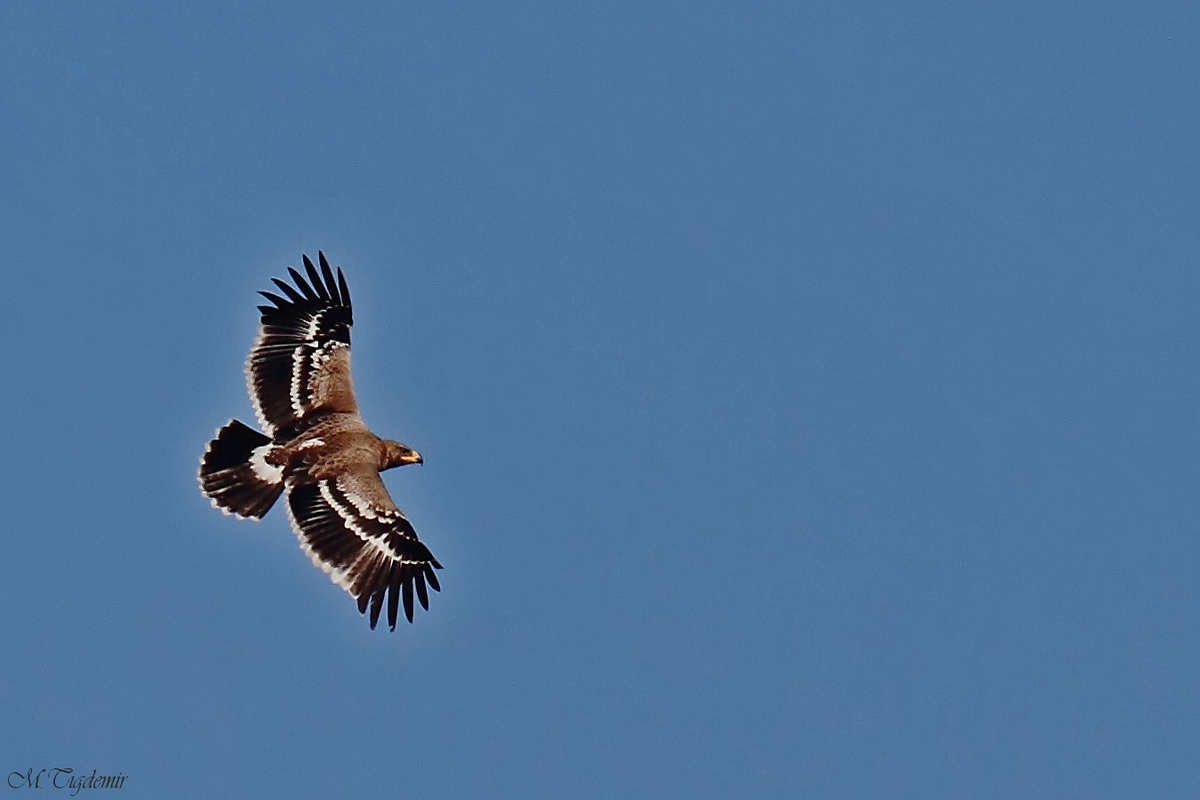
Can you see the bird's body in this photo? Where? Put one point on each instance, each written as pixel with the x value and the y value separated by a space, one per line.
pixel 318 451
pixel 335 444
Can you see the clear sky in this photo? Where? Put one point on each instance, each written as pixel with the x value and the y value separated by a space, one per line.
pixel 808 395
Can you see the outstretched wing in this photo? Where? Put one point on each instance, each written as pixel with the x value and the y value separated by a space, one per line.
pixel 299 364
pixel 352 530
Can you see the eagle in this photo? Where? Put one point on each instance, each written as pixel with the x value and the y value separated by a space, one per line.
pixel 316 450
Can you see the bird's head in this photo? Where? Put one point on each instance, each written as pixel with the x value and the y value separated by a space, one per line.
pixel 397 454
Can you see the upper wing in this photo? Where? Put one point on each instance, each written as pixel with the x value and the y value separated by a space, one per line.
pixel 352 530
pixel 300 361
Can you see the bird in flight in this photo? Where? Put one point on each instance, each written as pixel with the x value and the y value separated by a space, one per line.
pixel 317 451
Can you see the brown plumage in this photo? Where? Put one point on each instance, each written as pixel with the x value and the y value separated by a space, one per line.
pixel 318 451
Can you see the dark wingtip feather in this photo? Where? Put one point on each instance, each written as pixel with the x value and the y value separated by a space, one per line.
pixel 376 605
pixel 303 284
pixel 315 278
pixel 394 594
pixel 276 299
pixel 330 283
pixel 422 594
pixel 408 605
pixel 287 289
pixel 345 290
pixel 432 578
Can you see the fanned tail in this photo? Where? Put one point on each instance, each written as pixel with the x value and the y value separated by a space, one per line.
pixel 235 474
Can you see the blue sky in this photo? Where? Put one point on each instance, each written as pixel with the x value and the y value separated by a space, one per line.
pixel 808 395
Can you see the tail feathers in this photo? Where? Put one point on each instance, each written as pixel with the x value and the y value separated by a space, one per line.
pixel 235 474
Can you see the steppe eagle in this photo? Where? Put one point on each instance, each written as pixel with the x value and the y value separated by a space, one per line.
pixel 318 452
